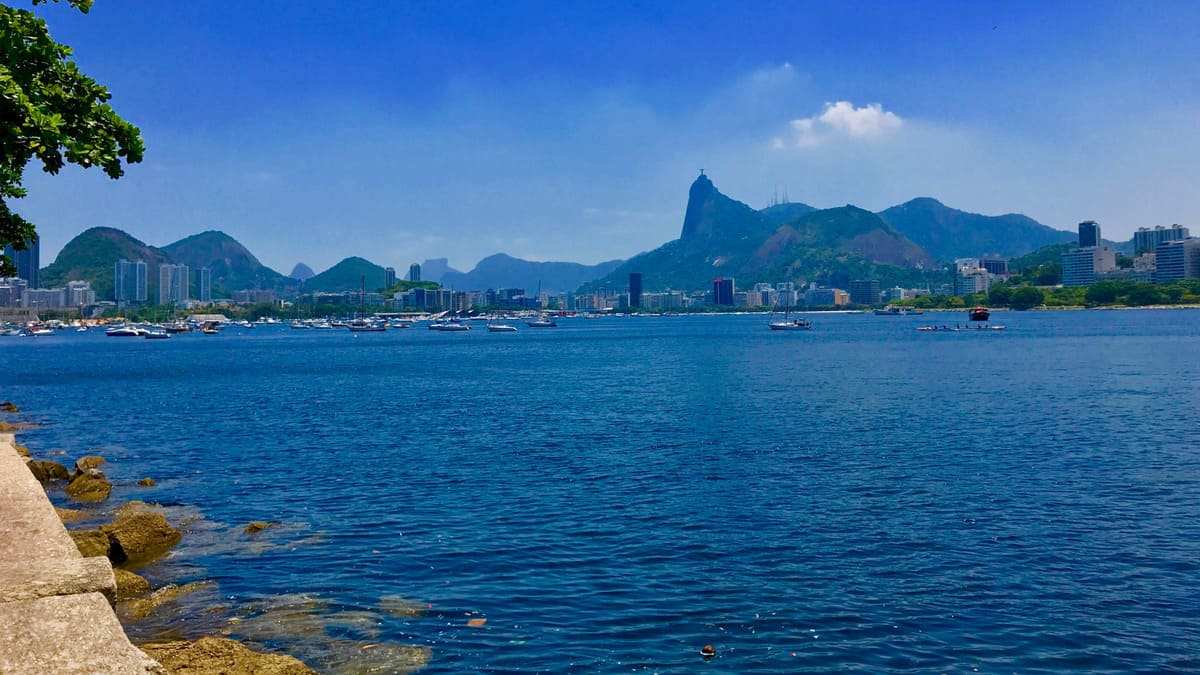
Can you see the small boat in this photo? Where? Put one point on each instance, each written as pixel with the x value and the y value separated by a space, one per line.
pixel 177 327
pixel 209 329
pixel 543 321
pixel 126 331
pixel 788 323
pixel 449 326
pixel 980 314
pixel 364 326
pixel 501 328
pixel 898 310
pixel 157 334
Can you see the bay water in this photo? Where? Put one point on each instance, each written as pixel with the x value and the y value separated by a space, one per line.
pixel 609 496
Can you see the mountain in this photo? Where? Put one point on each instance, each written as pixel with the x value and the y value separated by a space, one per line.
pixel 347 275
pixel 949 233
pixel 787 242
pixel 92 255
pixel 434 269
pixel 504 271
pixel 233 268
pixel 302 272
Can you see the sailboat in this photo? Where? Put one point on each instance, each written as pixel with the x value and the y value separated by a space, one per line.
pixel 789 323
pixel 360 324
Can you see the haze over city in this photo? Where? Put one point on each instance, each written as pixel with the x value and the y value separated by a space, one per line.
pixel 401 132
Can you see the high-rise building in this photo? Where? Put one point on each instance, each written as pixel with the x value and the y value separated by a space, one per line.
pixel 389 277
pixel 1083 266
pixel 28 262
pixel 80 294
pixel 1089 233
pixel 1175 260
pixel 723 291
pixel 204 284
pixel 414 272
pixel 635 289
pixel 173 282
pixel 1147 240
pixel 129 281
pixel 994 265
pixel 864 292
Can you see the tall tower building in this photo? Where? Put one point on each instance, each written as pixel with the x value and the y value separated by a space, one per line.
pixel 204 287
pixel 1089 234
pixel 635 289
pixel 389 277
pixel 28 262
pixel 173 283
pixel 723 291
pixel 129 281
pixel 414 272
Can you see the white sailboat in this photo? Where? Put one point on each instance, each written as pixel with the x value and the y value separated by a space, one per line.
pixel 789 323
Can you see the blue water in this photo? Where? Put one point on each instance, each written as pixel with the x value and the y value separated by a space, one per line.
pixel 612 495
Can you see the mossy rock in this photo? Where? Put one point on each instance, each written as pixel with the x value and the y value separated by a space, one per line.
pixel 69 515
pixel 9 407
pixel 140 537
pixel 46 471
pixel 210 656
pixel 130 585
pixel 91 543
pixel 257 526
pixel 89 462
pixel 9 427
pixel 89 487
pixel 140 608
pixel 146 482
pixel 21 450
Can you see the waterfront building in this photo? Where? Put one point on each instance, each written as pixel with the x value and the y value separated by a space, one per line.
pixel 129 282
pixel 28 262
pixel 1174 260
pixel 635 289
pixel 414 272
pixel 864 292
pixel 723 291
pixel 995 265
pixel 173 284
pixel 826 296
pixel 255 297
pixel 80 294
pixel 1146 240
pixel 11 290
pixel 204 284
pixel 40 298
pixel 1083 266
pixel 1089 234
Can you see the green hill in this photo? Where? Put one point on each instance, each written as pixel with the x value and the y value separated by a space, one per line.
pixel 347 275
pixel 233 268
pixel 724 237
pixel 92 255
pixel 948 233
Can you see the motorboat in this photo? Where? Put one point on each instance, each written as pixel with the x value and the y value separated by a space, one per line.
pixel 980 314
pixel 501 328
pixel 157 334
pixel 543 321
pixel 126 331
pixel 449 326
pixel 898 310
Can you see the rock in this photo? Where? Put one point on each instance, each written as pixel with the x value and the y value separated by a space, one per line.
pixel 89 462
pixel 146 482
pixel 136 610
pixel 46 471
pixel 140 536
pixel 9 427
pixel 400 606
pixel 21 450
pixel 69 515
pixel 90 487
pixel 9 407
pixel 257 526
pixel 91 543
pixel 130 585
pixel 35 467
pixel 213 656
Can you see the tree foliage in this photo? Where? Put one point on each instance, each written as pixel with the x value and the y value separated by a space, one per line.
pixel 50 111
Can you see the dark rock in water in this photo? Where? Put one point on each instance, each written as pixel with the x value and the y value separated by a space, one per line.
pixel 91 543
pixel 259 525
pixel 91 486
pixel 9 407
pixel 146 482
pixel 130 585
pixel 140 537
pixel 140 608
pixel 210 656
pixel 89 462
pixel 46 471
pixel 21 450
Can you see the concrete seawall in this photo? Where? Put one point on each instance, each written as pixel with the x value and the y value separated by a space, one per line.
pixel 56 614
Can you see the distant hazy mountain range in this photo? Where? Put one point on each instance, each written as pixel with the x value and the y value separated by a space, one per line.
pixel 720 237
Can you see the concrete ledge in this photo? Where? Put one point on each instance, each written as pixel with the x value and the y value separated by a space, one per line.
pixel 55 611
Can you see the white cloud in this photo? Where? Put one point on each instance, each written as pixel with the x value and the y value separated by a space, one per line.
pixel 841 119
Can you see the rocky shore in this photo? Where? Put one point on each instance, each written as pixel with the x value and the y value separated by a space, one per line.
pixel 187 627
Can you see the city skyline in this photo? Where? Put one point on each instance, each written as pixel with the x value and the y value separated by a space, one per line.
pixel 570 133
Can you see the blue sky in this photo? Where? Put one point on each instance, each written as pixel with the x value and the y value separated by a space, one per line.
pixel 571 131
